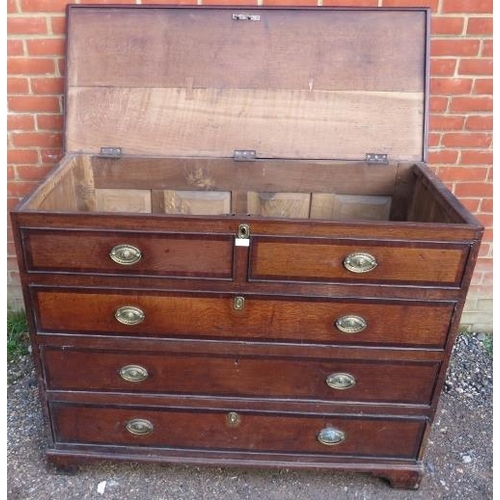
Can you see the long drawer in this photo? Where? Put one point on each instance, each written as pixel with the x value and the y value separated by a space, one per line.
pixel 126 252
pixel 334 379
pixel 340 435
pixel 341 321
pixel 301 259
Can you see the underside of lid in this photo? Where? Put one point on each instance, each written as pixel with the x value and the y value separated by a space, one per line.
pixel 287 83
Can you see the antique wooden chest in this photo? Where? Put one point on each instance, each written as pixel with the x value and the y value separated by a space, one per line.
pixel 243 258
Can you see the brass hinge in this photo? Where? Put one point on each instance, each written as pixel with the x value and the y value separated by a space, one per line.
pixel 111 152
pixel 244 155
pixel 376 159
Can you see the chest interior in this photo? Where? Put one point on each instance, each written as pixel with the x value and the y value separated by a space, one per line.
pixel 267 188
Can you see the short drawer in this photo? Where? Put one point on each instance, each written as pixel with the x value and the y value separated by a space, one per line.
pixel 356 261
pixel 231 316
pixel 129 253
pixel 238 431
pixel 335 379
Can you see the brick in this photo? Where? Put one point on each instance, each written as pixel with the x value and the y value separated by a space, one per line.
pixel 20 189
pixel 485 304
pixel 181 2
pixel 11 249
pixel 476 157
pixel 480 26
pixel 485 219
pixel 466 6
pixel 15 48
pixel 475 67
pixel 15 156
pixel 477 322
pixel 47 85
pixel 238 2
pixel 41 139
pixel 455 47
pixel 471 204
pixel 20 122
pixel 438 104
pixel 49 122
pixel 483 86
pixel 29 66
pixel 433 4
pixel 448 86
pixel 61 66
pixel 353 3
pixel 487 50
pixel 26 26
pixel 46 5
pixel 447 25
pixel 466 139
pixel 443 156
pixel 46 47
pixel 11 173
pixel 33 173
pixel 485 250
pixel 32 103
pixel 433 140
pixel 474 189
pixel 484 265
pixel 443 67
pixel 479 123
pixel 17 85
pixel 466 104
pixel 487 205
pixel 306 3
pixel 445 122
pixel 480 272
pixel 12 7
pixel 488 234
pixel 58 24
pixel 459 174
pixel 51 156
pixel 110 2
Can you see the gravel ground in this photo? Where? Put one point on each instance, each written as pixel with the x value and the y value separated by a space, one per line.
pixel 458 461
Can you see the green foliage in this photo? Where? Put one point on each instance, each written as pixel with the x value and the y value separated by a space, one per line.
pixel 17 334
pixel 488 343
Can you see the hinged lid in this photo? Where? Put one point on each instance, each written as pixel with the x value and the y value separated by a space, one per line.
pixel 286 83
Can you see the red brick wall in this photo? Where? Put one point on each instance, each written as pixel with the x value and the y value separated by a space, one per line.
pixel 460 138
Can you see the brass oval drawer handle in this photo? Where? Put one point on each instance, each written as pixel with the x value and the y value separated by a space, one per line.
pixel 340 381
pixel 360 262
pixel 125 254
pixel 351 324
pixel 133 373
pixel 139 427
pixel 129 315
pixel 331 436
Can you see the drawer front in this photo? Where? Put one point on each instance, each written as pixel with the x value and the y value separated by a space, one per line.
pixel 238 431
pixel 243 317
pixel 362 261
pixel 129 253
pixel 333 379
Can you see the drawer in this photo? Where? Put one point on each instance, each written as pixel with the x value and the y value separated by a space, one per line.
pixel 356 261
pixel 129 253
pixel 238 431
pixel 409 382
pixel 363 322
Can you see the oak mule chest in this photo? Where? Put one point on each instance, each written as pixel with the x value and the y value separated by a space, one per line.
pixel 242 258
